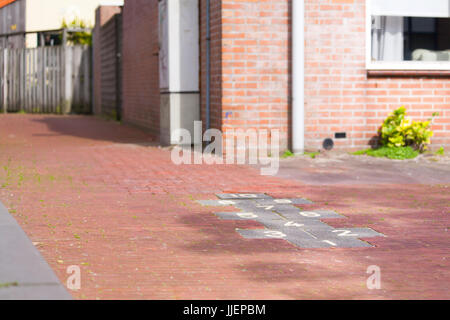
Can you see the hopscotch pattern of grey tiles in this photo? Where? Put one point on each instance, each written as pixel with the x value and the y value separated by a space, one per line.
pixel 283 220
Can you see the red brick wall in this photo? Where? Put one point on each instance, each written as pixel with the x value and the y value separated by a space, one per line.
pixel 140 64
pixel 256 65
pixel 339 94
pixel 250 80
pixel 103 15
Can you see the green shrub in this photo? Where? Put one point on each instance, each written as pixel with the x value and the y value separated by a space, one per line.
pixel 77 38
pixel 391 134
pixel 399 131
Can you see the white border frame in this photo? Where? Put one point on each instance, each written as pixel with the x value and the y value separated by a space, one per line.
pixel 398 65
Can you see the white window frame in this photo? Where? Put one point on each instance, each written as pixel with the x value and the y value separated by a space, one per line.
pixel 395 65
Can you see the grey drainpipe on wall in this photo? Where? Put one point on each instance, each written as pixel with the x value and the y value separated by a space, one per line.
pixel 208 64
pixel 298 76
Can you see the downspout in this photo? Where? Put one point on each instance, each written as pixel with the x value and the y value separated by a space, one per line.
pixel 298 76
pixel 208 64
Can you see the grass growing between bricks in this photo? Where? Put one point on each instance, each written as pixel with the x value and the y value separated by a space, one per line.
pixel 288 154
pixel 397 153
pixel 440 152
pixel 312 155
pixel 7 285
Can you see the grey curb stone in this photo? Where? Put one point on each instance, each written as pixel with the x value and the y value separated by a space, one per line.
pixel 24 274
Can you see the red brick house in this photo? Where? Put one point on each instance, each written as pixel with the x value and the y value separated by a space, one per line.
pixel 314 69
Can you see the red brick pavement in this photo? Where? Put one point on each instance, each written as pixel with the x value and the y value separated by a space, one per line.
pixel 97 194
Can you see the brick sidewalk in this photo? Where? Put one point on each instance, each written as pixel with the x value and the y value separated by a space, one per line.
pixel 100 195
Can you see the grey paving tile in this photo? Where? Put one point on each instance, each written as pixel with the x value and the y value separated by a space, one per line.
pixel 283 220
pixel 237 196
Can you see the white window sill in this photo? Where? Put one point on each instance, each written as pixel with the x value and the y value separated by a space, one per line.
pixel 409 65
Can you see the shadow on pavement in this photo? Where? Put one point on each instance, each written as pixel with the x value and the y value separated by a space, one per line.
pixel 346 169
pixel 91 128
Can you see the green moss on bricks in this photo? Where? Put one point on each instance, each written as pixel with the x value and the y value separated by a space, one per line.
pixel 287 154
pixel 8 284
pixel 397 153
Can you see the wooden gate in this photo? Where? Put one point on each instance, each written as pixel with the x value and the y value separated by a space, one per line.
pixel 46 79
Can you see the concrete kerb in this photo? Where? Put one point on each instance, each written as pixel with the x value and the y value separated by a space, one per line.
pixel 24 274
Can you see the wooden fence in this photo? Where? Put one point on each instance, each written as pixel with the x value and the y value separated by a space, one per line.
pixel 46 79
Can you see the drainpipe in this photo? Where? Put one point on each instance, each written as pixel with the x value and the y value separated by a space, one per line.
pixel 298 76
pixel 208 64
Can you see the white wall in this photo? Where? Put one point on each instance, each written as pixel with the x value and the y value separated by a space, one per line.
pixel 179 64
pixel 183 45
pixel 48 14
pixel 410 8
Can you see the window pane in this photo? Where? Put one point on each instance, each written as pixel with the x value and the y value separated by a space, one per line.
pixel 387 38
pixel 410 38
pixel 423 25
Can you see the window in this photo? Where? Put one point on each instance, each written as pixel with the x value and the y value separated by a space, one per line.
pixel 48 39
pixel 408 35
